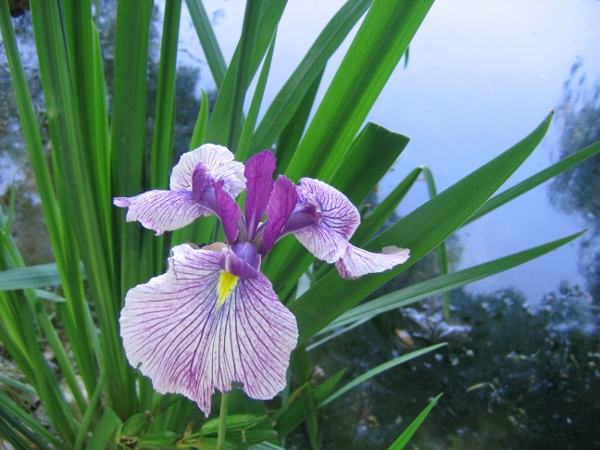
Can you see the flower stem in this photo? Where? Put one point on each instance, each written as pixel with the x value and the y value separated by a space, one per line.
pixel 222 421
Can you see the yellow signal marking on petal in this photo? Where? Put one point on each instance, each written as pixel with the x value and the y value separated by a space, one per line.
pixel 225 285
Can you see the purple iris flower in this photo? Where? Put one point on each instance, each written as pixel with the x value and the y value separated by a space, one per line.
pixel 213 321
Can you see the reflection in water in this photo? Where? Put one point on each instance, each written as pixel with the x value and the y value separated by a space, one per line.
pixel 523 379
pixel 578 190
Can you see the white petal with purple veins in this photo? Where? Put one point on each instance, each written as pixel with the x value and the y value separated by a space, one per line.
pixel 162 210
pixel 356 262
pixel 220 164
pixel 192 336
pixel 338 213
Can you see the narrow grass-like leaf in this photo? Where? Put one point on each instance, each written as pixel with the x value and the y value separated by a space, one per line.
pixel 30 277
pixel 420 231
pixel 293 415
pixel 105 430
pixel 442 254
pixel 434 286
pixel 289 98
pixel 535 180
pixel 307 397
pixel 63 242
pixel 403 439
pixel 208 40
pixel 164 118
pixel 374 53
pixel 201 122
pixel 290 136
pixel 379 369
pixel 260 21
pixel 89 414
pixel 370 156
pixel 382 212
pixel 18 419
pixel 243 150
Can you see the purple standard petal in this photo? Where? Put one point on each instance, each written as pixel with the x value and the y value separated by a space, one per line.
pixel 162 210
pixel 259 175
pixel 220 164
pixel 281 205
pixel 200 180
pixel 228 211
pixel 196 329
pixel 356 262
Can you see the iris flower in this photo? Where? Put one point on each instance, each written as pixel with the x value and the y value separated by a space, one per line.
pixel 213 321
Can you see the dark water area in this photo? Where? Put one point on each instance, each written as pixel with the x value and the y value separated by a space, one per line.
pixel 522 366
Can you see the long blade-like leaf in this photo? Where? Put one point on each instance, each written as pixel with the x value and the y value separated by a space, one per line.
pixel 312 65
pixel 444 283
pixel 403 439
pixel 374 53
pixel 377 370
pixel 420 231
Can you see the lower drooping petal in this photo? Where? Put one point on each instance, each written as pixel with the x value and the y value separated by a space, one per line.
pixel 356 262
pixel 162 210
pixel 196 329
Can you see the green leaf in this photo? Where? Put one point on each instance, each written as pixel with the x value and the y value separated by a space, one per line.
pixel 306 76
pixel 374 53
pixel 201 122
pixel 420 231
pixel 293 415
pixel 15 422
pixel 235 422
pixel 403 439
pixel 369 158
pixel 208 40
pixel 243 151
pixel 535 180
pixel 379 369
pixel 105 431
pixel 42 275
pixel 260 21
pixel 429 288
pixel 442 254
pixel 307 397
pixel 291 134
pixel 382 212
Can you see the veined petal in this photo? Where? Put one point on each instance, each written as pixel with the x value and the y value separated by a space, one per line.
pixel 162 210
pixel 220 164
pixel 337 212
pixel 192 332
pixel 259 175
pixel 356 262
pixel 323 242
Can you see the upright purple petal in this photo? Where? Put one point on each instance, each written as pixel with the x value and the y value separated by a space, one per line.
pixel 228 211
pixel 200 180
pixel 281 204
pixel 220 164
pixel 162 210
pixel 259 175
pixel 190 341
pixel 356 262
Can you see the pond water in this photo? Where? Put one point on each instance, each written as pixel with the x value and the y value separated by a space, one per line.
pixel 480 77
